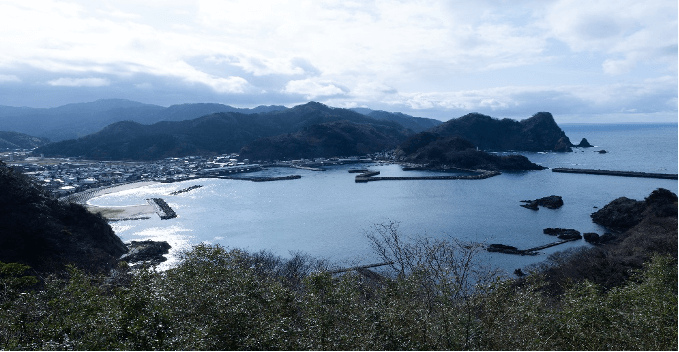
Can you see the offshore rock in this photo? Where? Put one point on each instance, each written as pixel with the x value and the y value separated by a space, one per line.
pixel 502 248
pixel 551 202
pixel 563 234
pixel 584 144
pixel 146 251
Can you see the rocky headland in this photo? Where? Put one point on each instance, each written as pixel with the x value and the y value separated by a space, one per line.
pixel 537 133
pixel 435 150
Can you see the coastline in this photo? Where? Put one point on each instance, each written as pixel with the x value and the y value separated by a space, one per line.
pixel 114 213
pixel 84 196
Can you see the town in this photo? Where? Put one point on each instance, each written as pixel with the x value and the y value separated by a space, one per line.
pixel 65 176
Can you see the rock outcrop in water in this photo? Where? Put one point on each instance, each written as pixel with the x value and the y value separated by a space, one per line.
pixel 150 252
pixel 551 202
pixel 584 144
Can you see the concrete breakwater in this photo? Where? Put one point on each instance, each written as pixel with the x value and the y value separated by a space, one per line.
pixel 307 168
pixel 616 173
pixel 368 177
pixel 162 208
pixel 263 179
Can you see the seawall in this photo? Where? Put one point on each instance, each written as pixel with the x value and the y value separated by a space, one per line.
pixel 616 173
pixel 368 177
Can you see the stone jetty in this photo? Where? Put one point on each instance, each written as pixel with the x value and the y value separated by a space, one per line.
pixel 186 190
pixel 162 208
pixel 616 173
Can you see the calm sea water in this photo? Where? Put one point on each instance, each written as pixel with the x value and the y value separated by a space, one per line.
pixel 326 214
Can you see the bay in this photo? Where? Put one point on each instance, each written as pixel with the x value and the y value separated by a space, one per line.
pixel 326 214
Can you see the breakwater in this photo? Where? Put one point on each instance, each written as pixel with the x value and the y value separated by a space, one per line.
pixel 262 179
pixel 307 168
pixel 186 190
pixel 162 208
pixel 127 219
pixel 616 173
pixel 369 177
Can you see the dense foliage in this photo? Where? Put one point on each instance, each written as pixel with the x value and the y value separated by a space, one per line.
pixel 16 140
pixel 225 300
pixel 332 139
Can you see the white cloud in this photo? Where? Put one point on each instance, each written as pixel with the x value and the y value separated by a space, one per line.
pixel 629 31
pixel 313 89
pixel 9 78
pixel 80 82
pixel 446 55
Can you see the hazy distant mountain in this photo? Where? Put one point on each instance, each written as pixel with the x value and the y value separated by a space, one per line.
pixel 77 120
pixel 16 140
pixel 330 139
pixel 537 133
pixel 215 133
pixel 417 124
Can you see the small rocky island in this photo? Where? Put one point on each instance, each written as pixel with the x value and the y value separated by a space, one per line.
pixel 551 202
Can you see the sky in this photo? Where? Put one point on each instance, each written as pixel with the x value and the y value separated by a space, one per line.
pixel 584 61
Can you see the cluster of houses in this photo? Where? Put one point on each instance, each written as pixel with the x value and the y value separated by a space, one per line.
pixel 64 176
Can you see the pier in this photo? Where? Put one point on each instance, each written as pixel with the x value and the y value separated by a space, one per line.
pixel 617 173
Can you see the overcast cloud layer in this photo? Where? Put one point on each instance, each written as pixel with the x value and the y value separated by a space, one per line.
pixel 584 61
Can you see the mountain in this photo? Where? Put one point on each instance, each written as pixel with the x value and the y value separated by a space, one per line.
pixel 80 119
pixel 39 231
pixel 435 150
pixel 417 124
pixel 330 139
pixel 215 133
pixel 16 140
pixel 537 133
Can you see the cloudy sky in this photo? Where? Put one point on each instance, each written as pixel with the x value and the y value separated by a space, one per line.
pixel 584 61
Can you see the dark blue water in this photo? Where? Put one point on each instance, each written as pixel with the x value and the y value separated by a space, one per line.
pixel 326 214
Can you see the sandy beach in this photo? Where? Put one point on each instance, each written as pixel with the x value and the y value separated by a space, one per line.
pixel 115 213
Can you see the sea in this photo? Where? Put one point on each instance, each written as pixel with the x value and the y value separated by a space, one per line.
pixel 326 215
